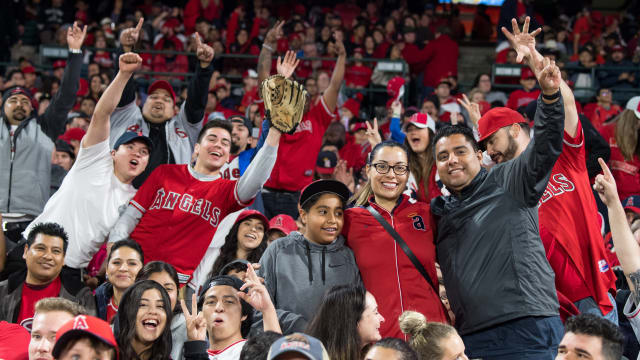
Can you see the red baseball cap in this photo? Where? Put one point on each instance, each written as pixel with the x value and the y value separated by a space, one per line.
pixel 59 64
pixel 284 223
pixel 394 87
pixel 83 325
pixel 526 73
pixel 361 125
pixel 72 134
pixel 495 119
pixel 421 121
pixel 28 70
pixel 256 214
pixel 162 84
pixel 632 203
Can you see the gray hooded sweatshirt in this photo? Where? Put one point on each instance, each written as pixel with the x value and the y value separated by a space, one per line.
pixel 298 272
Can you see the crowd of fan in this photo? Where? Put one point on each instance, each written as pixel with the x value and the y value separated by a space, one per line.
pixel 150 210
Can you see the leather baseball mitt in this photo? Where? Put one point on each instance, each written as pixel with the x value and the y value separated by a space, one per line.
pixel 284 102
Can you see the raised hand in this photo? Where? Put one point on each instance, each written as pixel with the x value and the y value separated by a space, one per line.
pixel 274 34
pixel 523 42
pixel 340 50
pixel 75 36
pixel 343 175
pixel 549 78
pixel 204 52
pixel 288 66
pixel 257 295
pixel 196 324
pixel 396 109
pixel 472 108
pixel 129 37
pixel 373 135
pixel 129 62
pixel 605 185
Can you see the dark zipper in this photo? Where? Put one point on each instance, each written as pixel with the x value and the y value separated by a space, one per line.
pixel 12 155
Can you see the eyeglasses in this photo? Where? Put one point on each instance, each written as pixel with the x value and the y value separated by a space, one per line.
pixel 398 169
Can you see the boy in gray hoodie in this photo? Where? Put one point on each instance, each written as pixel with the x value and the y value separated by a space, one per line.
pixel 298 269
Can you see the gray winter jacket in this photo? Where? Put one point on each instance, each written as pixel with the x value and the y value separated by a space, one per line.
pixel 488 243
pixel 298 272
pixel 25 172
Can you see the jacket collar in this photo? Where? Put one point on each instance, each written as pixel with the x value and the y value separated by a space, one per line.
pixel 402 201
pixel 17 279
pixel 469 189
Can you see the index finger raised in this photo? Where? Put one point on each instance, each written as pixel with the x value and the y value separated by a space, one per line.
pixel 194 305
pixel 197 37
pixel 605 168
pixel 185 311
pixel 139 25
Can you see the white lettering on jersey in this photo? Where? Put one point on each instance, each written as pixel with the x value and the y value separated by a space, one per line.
pixel 171 200
pixel 558 185
pixel 157 202
pixel 187 204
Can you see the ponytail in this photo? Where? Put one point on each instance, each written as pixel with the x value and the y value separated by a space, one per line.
pixel 425 336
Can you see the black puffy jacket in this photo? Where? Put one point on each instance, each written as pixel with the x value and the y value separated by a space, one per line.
pixel 488 242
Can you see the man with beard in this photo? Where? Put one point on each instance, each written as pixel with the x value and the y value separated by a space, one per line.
pixel 569 220
pixel 173 135
pixel 26 144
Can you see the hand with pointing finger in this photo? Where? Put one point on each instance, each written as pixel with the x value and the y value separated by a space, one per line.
pixel 472 108
pixel 257 294
pixel 129 37
pixel 195 321
pixel 75 36
pixel 287 66
pixel 204 52
pixel 605 185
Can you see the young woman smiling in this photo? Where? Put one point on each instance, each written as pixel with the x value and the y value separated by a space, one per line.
pixel 244 241
pixel 123 263
pixel 387 272
pixel 143 318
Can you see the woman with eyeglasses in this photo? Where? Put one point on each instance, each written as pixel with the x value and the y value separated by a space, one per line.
pixel 387 272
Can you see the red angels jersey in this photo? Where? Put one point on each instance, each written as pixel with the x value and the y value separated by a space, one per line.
pixel 568 214
pixel 297 153
pixel 180 215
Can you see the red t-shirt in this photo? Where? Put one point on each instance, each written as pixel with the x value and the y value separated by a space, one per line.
pixel 601 114
pixel 521 97
pixel 582 27
pixel 181 213
pixel 567 211
pixel 112 310
pixel 626 173
pixel 14 341
pixel 297 153
pixel 30 296
pixel 358 75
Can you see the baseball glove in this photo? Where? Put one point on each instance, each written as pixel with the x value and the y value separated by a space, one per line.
pixel 284 102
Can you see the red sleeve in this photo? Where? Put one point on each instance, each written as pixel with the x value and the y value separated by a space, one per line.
pixel 147 192
pixel 255 29
pixel 573 148
pixel 322 114
pixel 232 27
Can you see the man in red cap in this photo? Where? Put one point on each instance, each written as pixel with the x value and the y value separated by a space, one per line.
pixel 280 226
pixel 527 94
pixel 569 220
pixel 294 168
pixel 498 280
pixel 173 135
pixel 26 144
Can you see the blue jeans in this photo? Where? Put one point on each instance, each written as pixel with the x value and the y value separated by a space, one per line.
pixel 528 338
pixel 589 306
pixel 276 203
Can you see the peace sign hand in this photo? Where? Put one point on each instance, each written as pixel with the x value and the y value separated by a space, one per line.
pixel 373 135
pixel 75 36
pixel 257 295
pixel 605 185
pixel 472 108
pixel 196 324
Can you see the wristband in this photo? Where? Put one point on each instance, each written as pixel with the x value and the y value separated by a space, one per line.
pixel 551 97
pixel 75 51
pixel 267 47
